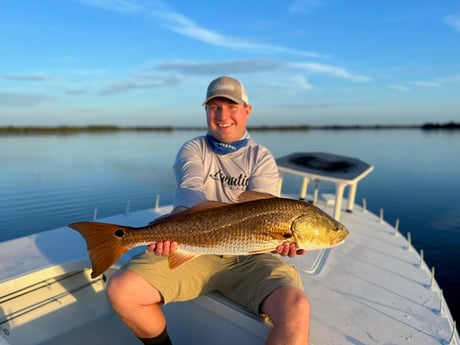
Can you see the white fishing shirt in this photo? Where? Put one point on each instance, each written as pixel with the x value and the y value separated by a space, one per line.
pixel 202 174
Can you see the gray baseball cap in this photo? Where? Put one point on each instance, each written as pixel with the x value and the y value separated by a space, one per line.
pixel 227 87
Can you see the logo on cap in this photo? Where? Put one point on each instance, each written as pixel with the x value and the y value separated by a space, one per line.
pixel 223 86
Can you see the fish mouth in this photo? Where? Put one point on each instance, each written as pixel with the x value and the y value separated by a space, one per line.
pixel 336 244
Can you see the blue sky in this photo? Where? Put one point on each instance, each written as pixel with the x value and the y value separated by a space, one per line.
pixel 148 62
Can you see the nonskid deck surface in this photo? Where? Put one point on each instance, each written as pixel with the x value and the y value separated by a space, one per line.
pixel 107 329
pixel 372 284
pixel 72 309
pixel 208 320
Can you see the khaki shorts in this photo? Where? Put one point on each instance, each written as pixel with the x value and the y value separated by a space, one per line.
pixel 247 280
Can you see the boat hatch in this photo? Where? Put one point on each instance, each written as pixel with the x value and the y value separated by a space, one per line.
pixel 318 166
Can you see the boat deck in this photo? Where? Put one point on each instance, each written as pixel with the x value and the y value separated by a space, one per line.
pixel 371 289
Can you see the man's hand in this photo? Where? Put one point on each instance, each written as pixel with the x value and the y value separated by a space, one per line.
pixel 166 247
pixel 162 248
pixel 289 249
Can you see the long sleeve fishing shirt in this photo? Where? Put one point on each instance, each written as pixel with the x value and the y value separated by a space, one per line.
pixel 202 174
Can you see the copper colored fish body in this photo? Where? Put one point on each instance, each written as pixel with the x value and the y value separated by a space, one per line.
pixel 257 223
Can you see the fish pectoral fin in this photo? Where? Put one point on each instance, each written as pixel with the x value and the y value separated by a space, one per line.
pixel 260 251
pixel 180 257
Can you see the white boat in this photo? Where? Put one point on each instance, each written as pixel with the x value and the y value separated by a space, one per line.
pixel 373 289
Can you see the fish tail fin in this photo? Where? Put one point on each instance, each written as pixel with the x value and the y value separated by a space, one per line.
pixel 104 242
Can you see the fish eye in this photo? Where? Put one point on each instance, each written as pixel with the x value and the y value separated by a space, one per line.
pixel 119 233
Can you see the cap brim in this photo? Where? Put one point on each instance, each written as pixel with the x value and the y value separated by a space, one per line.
pixel 234 99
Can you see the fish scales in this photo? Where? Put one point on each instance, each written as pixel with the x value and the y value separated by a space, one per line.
pixel 226 235
pixel 252 226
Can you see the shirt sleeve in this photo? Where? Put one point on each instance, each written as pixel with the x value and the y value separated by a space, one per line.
pixel 188 169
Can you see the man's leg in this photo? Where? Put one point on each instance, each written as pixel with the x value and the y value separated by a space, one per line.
pixel 145 283
pixel 289 310
pixel 137 303
pixel 266 283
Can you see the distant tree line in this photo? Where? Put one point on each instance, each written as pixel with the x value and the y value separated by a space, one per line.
pixel 449 125
pixel 113 128
pixel 75 129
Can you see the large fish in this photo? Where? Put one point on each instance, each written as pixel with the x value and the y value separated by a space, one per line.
pixel 257 223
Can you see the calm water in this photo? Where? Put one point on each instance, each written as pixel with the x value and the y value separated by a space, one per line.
pixel 47 181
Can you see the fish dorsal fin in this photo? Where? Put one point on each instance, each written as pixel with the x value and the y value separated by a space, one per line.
pixel 205 205
pixel 246 196
pixel 250 195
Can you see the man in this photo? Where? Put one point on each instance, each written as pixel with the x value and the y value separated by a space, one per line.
pixel 218 166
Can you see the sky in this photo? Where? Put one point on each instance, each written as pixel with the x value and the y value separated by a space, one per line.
pixel 303 62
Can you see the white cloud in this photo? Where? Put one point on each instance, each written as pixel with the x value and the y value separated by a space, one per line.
pixel 216 67
pixel 399 87
pixel 435 83
pixel 137 83
pixel 255 66
pixel 16 99
pixel 27 77
pixel 420 83
pixel 339 72
pixel 180 24
pixel 453 21
pixel 89 72
pixel 293 83
pixel 118 5
pixel 304 6
pixel 301 82
pixel 451 79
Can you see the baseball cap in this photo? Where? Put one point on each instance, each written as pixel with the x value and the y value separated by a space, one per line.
pixel 227 87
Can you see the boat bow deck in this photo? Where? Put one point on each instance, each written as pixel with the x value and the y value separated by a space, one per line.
pixel 373 289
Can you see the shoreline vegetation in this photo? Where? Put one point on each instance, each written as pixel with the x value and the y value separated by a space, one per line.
pixel 113 128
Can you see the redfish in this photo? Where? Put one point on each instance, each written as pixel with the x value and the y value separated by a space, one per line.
pixel 257 223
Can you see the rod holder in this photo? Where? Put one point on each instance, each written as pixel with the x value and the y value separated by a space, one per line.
pixel 95 214
pixel 421 258
pixel 157 201
pixel 364 205
pixel 441 302
pixel 454 330
pixel 409 240
pixel 381 215
pixel 432 277
pixel 396 225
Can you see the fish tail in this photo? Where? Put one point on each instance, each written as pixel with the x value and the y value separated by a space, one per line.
pixel 104 242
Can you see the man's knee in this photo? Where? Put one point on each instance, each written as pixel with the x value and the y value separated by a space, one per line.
pixel 296 299
pixel 302 305
pixel 286 301
pixel 127 287
pixel 118 287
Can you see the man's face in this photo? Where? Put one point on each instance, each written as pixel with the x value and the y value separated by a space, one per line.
pixel 227 119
